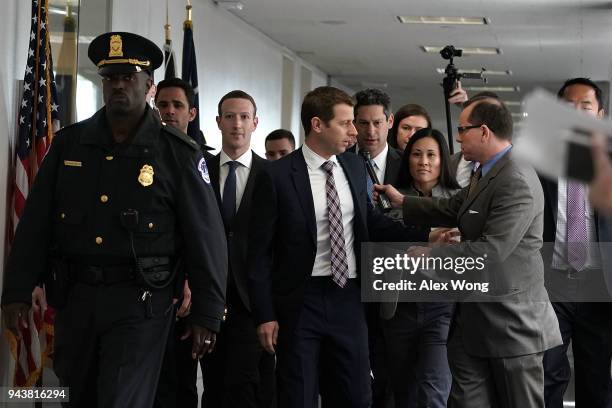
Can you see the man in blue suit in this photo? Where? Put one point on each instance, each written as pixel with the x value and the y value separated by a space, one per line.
pixel 313 215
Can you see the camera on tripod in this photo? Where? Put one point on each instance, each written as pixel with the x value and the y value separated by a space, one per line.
pixel 449 52
pixel 452 76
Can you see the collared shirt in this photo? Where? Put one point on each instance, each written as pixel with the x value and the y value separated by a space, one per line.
pixel 318 179
pixel 380 163
pixel 488 165
pixel 560 251
pixel 464 172
pixel 242 173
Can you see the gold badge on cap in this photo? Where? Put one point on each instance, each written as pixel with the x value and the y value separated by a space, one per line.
pixel 146 175
pixel 116 46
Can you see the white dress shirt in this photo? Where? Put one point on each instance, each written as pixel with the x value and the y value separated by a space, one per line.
pixel 243 169
pixel 380 163
pixel 318 179
pixel 464 172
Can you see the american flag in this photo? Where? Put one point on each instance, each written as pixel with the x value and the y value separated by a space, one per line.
pixel 37 121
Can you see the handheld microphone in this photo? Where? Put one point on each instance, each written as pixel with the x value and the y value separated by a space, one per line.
pixel 383 200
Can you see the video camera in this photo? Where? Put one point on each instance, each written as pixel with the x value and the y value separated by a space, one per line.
pixel 452 76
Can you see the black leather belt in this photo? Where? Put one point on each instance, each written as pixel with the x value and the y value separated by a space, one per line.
pixel 101 275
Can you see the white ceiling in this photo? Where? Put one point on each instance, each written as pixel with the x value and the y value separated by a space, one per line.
pixel 544 42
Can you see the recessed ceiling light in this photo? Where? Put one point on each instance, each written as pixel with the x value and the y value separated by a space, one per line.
pixel 230 5
pixel 305 54
pixel 519 115
pixel 466 50
pixel 443 20
pixel 493 88
pixel 376 85
pixel 478 71
pixel 333 22
pixel 513 103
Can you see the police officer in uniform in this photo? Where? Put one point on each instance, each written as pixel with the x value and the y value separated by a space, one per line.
pixel 119 199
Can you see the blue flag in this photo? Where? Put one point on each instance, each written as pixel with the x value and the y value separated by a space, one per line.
pixel 190 74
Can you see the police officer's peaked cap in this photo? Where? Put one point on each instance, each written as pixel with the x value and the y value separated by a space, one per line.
pixel 120 52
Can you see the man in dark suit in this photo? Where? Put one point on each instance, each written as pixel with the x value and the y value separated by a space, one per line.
pixel 313 215
pixel 279 143
pixel 495 348
pixel 175 102
pixel 569 218
pixel 373 119
pixel 600 195
pixel 231 373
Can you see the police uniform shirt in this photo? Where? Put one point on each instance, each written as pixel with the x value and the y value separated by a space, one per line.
pixel 84 184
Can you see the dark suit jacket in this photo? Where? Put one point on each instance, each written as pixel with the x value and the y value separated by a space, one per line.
pixel 394 160
pixel 603 230
pixel 551 196
pixel 604 233
pixel 284 233
pixel 237 234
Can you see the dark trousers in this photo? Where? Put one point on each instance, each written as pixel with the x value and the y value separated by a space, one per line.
pixel 415 340
pixel 588 326
pixel 177 381
pixel 382 394
pixel 107 350
pixel 238 373
pixel 331 327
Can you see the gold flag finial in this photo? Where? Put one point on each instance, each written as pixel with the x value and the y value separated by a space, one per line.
pixel 167 28
pixel 188 21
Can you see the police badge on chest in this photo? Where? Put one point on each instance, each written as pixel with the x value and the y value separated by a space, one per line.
pixel 146 175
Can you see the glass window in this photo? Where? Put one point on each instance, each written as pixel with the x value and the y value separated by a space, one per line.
pixel 73 25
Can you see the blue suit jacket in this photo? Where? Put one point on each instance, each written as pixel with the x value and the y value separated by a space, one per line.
pixel 283 233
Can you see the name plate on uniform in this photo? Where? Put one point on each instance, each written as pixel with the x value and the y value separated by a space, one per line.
pixel 73 163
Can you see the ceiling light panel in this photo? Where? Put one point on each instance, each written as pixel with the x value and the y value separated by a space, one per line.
pixel 443 20
pixel 478 71
pixel 493 88
pixel 466 50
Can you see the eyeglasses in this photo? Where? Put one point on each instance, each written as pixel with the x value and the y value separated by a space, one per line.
pixel 462 129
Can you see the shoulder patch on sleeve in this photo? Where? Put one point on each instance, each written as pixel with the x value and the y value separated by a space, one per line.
pixel 182 136
pixel 203 169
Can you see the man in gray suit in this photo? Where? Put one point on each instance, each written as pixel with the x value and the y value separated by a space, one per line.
pixel 495 349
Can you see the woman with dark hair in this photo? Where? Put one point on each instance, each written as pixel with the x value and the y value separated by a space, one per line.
pixel 416 333
pixel 425 166
pixel 407 120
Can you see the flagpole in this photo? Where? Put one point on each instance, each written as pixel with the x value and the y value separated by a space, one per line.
pixel 169 67
pixel 190 72
pixel 188 22
pixel 167 25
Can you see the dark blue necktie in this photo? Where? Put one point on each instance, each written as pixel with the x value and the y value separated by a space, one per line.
pixel 229 193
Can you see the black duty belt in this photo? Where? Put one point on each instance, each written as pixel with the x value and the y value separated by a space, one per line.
pixel 101 275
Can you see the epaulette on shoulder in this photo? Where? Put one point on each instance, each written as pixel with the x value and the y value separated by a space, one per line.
pixel 72 126
pixel 182 136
